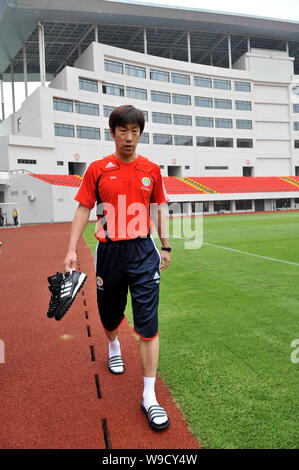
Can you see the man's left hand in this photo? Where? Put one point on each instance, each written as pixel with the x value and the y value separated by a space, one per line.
pixel 165 260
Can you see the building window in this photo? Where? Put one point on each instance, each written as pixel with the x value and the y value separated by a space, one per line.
pixel 242 86
pixel 224 142
pixel 113 66
pixel 243 105
pixel 161 118
pixel 245 143
pixel 108 136
pixel 186 140
pixel 221 205
pixel 60 104
pixel 137 93
pixel 84 132
pixel 159 75
pixel 60 163
pixel 180 78
pixel 64 130
pixel 296 126
pixel 221 84
pixel 91 109
pixel 162 139
pixel 182 120
pixel 216 167
pixel 295 90
pixel 88 85
pixel 205 141
pixel 144 138
pixel 181 99
pixel 224 123
pixel 296 108
pixel 296 144
pixel 108 110
pixel 135 71
pixel 244 205
pixel 111 89
pixel 26 161
pixel 19 124
pixel 160 96
pixel 203 82
pixel 222 104
pixel 243 124
pixel 145 114
pixel 204 121
pixel 204 102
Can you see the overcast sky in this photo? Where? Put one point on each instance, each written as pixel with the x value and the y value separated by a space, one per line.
pixel 283 9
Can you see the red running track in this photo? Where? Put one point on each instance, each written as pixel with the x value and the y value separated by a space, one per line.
pixel 49 393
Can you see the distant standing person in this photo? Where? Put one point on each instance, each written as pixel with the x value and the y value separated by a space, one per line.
pixel 1 217
pixel 15 216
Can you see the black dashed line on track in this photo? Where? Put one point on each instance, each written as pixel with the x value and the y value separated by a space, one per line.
pixel 88 331
pixel 98 387
pixel 106 434
pixel 86 314
pixel 84 302
pixel 93 357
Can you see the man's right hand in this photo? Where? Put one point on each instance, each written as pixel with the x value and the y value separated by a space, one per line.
pixel 70 261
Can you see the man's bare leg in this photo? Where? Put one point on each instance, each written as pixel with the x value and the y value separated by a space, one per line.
pixel 149 352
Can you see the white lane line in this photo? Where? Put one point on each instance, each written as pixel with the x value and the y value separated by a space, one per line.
pixel 251 254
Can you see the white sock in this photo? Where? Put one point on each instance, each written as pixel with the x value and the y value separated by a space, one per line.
pixel 149 396
pixel 114 350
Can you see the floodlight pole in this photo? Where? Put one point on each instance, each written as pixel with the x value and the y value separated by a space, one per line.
pixel 25 70
pixel 2 97
pixel 41 43
pixel 144 41
pixel 189 46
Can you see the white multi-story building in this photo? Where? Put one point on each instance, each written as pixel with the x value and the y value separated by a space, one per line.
pixel 201 120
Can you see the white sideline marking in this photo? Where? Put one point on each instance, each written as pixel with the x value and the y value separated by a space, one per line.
pixel 252 254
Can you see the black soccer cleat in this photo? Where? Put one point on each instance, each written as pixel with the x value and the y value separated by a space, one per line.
pixel 64 288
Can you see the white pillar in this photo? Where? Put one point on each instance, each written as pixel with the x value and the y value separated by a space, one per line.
pixel 189 46
pixel 42 65
pixel 229 51
pixel 287 47
pixel 144 41
pixel 13 98
pixel 13 87
pixel 211 58
pixel 248 45
pixel 2 97
pixel 25 70
pixel 96 35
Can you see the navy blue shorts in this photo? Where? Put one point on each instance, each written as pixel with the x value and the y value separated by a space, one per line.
pixel 129 264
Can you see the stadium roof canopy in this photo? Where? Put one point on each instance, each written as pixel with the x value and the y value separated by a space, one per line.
pixel 70 26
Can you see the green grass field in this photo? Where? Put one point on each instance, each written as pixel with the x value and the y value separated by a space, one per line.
pixel 226 322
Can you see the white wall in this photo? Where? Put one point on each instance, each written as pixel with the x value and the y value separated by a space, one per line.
pixel 38 211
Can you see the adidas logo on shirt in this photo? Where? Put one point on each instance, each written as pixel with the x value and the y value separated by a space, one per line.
pixel 156 276
pixel 109 165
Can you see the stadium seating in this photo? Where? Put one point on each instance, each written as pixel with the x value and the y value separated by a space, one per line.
pixel 201 185
pixel 62 180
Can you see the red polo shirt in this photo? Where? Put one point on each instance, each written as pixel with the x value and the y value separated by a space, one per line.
pixel 123 192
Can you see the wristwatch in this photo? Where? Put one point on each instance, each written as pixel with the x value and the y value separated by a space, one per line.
pixel 168 248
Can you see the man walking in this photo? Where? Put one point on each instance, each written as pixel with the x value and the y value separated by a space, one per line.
pixel 123 184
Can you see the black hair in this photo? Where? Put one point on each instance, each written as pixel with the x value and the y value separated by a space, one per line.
pixel 124 115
